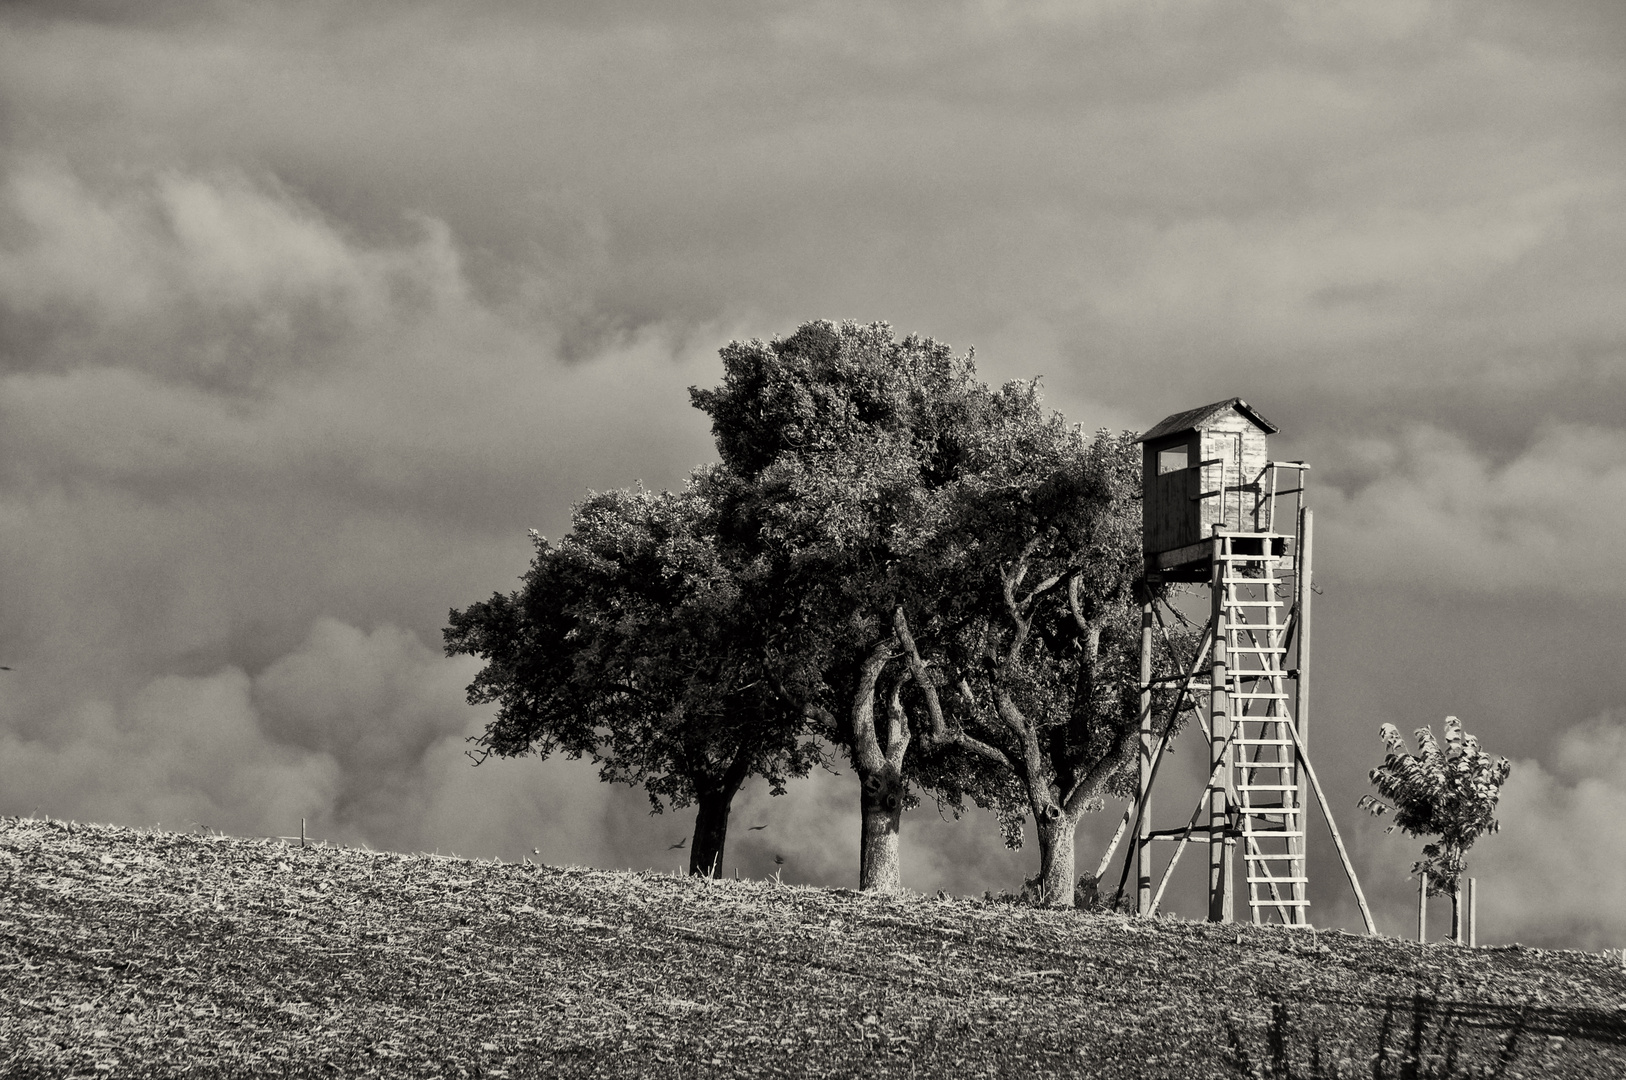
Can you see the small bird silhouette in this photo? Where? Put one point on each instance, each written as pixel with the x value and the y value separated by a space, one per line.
pixel 756 828
pixel 779 860
pixel 679 844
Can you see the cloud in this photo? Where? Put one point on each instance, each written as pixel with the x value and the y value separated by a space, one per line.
pixel 1438 514
pixel 1554 873
pixel 1409 185
pixel 181 750
pixel 308 314
pixel 359 733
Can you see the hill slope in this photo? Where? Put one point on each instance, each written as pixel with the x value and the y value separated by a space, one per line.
pixel 132 953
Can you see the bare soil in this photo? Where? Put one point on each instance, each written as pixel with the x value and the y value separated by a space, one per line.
pixel 133 953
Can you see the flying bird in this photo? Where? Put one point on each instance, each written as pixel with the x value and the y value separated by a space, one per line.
pixel 778 860
pixel 756 828
pixel 679 844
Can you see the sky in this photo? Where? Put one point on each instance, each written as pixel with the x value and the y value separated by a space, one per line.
pixel 310 311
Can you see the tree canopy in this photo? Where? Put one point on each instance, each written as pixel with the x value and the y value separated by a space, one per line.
pixel 938 577
pixel 1448 790
pixel 958 567
pixel 634 641
pixel 844 442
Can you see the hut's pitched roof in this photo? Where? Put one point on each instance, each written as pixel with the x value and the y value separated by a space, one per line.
pixel 1193 418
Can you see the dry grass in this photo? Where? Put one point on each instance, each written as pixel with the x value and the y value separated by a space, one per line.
pixel 131 953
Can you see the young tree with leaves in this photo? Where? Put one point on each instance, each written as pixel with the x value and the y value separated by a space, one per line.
pixel 635 641
pixel 1449 791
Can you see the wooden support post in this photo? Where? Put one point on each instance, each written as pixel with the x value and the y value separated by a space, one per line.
pixel 1422 908
pixel 1157 759
pixel 1473 914
pixel 1459 934
pixel 1337 838
pixel 1143 824
pixel 301 832
pixel 1219 742
pixel 1303 585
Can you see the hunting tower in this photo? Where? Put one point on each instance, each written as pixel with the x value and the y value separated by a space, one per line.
pixel 1218 510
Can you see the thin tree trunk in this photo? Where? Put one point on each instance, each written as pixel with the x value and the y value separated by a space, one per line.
pixel 711 832
pixel 881 804
pixel 714 799
pixel 1456 912
pixel 1057 876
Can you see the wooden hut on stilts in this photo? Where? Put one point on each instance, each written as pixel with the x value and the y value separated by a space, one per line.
pixel 1218 511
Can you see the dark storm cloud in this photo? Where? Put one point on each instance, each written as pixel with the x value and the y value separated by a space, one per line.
pixel 307 312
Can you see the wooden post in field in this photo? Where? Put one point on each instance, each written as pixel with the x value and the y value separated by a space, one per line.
pixel 1143 826
pixel 301 832
pixel 1473 914
pixel 1422 908
pixel 1458 935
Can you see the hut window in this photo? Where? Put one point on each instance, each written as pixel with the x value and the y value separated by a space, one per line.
pixel 1171 460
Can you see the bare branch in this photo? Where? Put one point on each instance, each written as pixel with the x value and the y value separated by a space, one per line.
pixel 871 758
pixel 917 670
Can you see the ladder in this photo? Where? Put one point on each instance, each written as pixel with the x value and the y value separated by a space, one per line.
pixel 1267 808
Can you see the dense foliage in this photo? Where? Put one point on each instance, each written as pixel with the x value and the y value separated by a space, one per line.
pixel 848 447
pixel 937 577
pixel 634 641
pixel 959 569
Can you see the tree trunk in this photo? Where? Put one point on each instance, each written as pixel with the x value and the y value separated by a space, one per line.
pixel 1456 913
pixel 881 804
pixel 1056 857
pixel 710 833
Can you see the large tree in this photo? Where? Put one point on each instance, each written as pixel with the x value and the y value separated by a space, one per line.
pixel 843 443
pixel 925 532
pixel 636 641
pixel 1037 662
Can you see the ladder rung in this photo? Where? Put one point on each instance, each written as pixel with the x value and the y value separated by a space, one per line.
pixel 1263 742
pixel 1266 696
pixel 1283 902
pixel 1267 787
pixel 1258 648
pixel 1278 880
pixel 1274 855
pixel 1271 833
